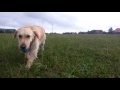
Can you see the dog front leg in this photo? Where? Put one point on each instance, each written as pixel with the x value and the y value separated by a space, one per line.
pixel 31 56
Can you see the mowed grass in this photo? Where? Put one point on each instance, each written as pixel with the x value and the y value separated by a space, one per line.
pixel 65 56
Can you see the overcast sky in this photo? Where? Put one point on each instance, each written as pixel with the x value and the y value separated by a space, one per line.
pixel 62 21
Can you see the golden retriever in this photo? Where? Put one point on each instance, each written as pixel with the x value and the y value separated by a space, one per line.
pixel 30 38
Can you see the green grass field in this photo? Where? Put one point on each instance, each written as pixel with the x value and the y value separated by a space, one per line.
pixel 65 56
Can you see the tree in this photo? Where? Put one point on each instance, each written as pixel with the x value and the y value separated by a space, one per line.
pixel 92 32
pixel 1 31
pixel 8 31
pixel 110 30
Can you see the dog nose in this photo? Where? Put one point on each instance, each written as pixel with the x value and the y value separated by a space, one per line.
pixel 23 46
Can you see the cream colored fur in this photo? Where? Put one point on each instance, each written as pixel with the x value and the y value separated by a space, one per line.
pixel 37 38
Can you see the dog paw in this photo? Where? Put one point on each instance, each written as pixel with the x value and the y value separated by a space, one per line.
pixel 28 65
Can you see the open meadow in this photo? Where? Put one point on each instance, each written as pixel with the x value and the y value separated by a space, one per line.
pixel 65 56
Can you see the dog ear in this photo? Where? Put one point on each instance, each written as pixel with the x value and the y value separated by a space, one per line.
pixel 36 34
pixel 15 34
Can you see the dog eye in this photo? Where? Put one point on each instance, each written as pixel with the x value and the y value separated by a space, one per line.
pixel 28 36
pixel 20 36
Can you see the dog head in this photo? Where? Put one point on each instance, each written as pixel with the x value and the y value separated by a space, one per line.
pixel 25 37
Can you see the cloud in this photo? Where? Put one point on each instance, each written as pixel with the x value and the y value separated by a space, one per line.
pixel 61 21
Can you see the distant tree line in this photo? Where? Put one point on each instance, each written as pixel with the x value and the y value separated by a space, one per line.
pixel 116 31
pixel 7 30
pixel 96 32
pixel 69 33
pixel 110 31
